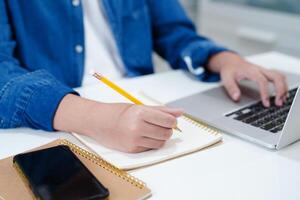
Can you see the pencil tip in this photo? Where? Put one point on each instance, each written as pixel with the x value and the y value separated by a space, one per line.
pixel 178 129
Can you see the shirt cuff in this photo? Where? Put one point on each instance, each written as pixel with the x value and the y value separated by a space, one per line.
pixel 196 56
pixel 43 104
pixel 38 100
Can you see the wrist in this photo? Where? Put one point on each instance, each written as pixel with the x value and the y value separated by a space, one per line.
pixel 71 114
pixel 223 59
pixel 87 117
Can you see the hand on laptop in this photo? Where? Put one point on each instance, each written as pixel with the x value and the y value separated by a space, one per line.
pixel 233 69
pixel 125 127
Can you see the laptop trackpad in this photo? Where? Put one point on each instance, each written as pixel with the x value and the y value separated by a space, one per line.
pixel 249 94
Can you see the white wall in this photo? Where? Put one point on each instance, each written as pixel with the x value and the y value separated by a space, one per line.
pixel 250 30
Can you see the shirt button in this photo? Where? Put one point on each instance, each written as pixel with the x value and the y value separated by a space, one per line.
pixel 78 48
pixel 75 2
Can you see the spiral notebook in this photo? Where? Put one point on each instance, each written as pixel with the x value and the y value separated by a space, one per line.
pixel 195 136
pixel 120 184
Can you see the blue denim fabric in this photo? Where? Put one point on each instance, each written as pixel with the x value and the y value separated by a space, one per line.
pixel 39 64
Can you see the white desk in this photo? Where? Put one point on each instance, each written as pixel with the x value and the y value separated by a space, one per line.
pixel 234 170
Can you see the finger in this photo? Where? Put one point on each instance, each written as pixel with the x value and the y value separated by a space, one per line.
pixel 231 86
pixel 280 85
pixel 157 117
pixel 157 132
pixel 176 112
pixel 262 82
pixel 151 143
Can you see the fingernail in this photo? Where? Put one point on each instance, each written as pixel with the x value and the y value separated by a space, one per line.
pixel 267 103
pixel 235 96
pixel 279 102
pixel 179 112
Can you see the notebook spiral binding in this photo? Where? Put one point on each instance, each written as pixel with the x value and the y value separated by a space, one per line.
pixel 104 164
pixel 201 124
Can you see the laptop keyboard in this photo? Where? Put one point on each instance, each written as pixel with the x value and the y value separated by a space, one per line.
pixel 270 119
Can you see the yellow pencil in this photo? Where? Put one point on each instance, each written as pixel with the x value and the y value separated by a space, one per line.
pixel 121 91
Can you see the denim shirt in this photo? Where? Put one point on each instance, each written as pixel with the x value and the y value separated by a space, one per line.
pixel 42 50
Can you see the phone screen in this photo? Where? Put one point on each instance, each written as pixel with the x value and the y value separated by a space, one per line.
pixel 56 173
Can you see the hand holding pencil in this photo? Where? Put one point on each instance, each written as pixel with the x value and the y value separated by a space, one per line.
pixel 122 92
pixel 149 126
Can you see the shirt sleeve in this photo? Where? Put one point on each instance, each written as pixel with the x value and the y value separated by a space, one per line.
pixel 176 40
pixel 27 98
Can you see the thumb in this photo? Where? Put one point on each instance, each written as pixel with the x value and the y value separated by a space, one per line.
pixel 232 88
pixel 176 112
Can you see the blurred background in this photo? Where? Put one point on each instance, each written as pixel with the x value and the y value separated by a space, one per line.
pixel 247 26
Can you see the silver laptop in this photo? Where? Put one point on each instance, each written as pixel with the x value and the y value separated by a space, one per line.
pixel 273 127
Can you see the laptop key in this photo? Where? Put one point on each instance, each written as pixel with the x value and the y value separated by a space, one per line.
pixel 244 116
pixel 268 126
pixel 274 130
pixel 257 123
pixel 280 127
pixel 251 119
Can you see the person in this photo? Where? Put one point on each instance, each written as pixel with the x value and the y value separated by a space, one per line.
pixel 47 46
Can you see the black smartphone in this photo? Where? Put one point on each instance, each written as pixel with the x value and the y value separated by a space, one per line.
pixel 56 173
